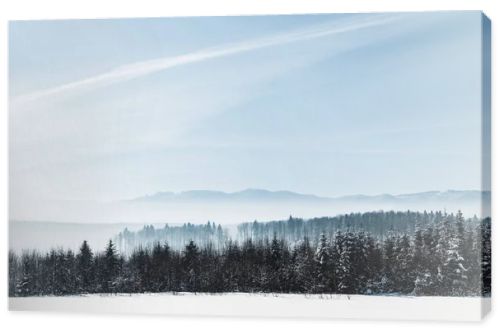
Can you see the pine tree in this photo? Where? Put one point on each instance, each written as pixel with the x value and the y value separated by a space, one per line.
pixel 345 245
pixel 274 265
pixel 26 284
pixel 485 247
pixel 453 272
pixel 304 267
pixel 460 234
pixel 111 268
pixel 390 259
pixel 158 267
pixel 69 270
pixel 191 264
pixel 13 271
pixel 85 272
pixel 374 267
pixel 141 268
pixel 160 261
pixel 405 274
pixel 324 265
pixel 61 273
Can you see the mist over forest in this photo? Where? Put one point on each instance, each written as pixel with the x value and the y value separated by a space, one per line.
pixel 74 221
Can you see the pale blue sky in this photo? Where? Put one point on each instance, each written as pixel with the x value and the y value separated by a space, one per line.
pixel 323 104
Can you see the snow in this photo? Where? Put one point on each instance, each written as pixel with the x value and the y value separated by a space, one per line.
pixel 266 305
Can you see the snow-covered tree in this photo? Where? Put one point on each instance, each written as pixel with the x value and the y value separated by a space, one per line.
pixel 85 268
pixel 325 270
pixel 191 263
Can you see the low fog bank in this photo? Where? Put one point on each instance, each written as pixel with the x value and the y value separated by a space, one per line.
pixel 98 222
pixel 36 235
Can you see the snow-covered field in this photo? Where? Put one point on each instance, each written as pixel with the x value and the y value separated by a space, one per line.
pixel 266 305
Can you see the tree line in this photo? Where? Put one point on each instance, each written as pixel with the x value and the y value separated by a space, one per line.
pixel 293 230
pixel 378 224
pixel 447 258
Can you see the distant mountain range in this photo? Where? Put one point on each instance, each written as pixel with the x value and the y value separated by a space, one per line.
pixel 244 195
pixel 258 195
pixel 200 206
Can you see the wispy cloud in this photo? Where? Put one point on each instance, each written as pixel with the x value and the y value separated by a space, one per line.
pixel 143 68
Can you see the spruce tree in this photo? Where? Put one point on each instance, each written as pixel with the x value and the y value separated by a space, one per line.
pixel 405 274
pixel 305 267
pixel 85 270
pixel 485 246
pixel 324 268
pixel 13 271
pixel 26 284
pixel 390 259
pixel 111 268
pixel 191 266
pixel 453 272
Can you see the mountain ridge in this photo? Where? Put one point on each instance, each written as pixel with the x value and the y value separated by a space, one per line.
pixel 263 194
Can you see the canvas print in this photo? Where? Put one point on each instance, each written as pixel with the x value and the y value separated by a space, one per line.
pixel 306 166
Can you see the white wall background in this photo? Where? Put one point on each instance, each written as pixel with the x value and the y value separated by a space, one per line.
pixel 70 323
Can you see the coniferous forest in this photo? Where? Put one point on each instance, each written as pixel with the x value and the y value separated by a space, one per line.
pixel 378 253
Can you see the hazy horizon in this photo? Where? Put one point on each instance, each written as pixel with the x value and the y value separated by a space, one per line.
pixel 299 193
pixel 198 207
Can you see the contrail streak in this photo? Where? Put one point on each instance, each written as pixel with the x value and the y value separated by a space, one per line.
pixel 139 69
